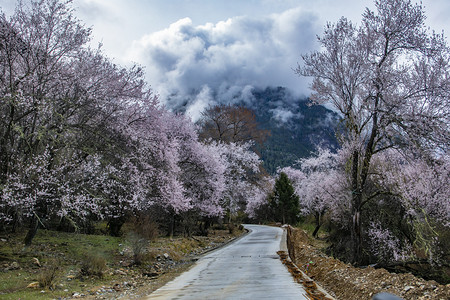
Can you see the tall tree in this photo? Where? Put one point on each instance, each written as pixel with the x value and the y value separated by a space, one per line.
pixel 60 105
pixel 242 171
pixel 389 78
pixel 319 184
pixel 232 131
pixel 284 201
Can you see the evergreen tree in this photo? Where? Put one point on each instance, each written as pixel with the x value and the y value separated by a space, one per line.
pixel 284 201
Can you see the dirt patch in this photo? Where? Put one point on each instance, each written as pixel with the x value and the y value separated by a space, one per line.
pixel 344 281
pixel 311 288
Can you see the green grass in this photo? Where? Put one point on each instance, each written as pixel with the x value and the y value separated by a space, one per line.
pixel 67 248
pixel 308 227
pixel 77 245
pixel 308 224
pixel 13 285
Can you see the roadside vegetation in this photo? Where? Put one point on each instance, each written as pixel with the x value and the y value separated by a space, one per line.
pixel 383 196
pixel 344 281
pixel 64 265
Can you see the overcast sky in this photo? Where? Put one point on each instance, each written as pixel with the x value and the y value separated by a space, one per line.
pixel 201 51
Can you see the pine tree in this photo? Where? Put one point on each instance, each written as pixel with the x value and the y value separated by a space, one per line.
pixel 284 202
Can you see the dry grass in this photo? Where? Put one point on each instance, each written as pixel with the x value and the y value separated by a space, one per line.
pixel 48 276
pixel 93 265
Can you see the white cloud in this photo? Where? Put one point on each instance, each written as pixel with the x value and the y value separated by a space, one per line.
pixel 282 115
pixel 200 102
pixel 227 58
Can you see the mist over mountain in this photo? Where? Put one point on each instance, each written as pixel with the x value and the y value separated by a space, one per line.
pixel 297 128
pixel 192 66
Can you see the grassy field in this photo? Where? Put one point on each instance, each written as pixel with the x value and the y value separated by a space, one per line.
pixel 57 260
pixel 50 249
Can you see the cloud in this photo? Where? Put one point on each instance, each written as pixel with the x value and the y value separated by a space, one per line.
pixel 201 101
pixel 282 115
pixel 192 66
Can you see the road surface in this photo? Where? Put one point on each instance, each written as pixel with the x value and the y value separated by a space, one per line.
pixel 248 268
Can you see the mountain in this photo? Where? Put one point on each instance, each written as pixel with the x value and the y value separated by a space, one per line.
pixel 296 127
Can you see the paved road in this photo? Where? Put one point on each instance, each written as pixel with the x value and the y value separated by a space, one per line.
pixel 248 268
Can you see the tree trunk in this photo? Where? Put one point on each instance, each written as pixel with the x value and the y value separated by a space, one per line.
pixel 358 186
pixel 171 226
pixel 32 230
pixel 318 224
pixel 356 235
pixel 4 157
pixel 115 225
pixel 356 204
pixel 316 230
pixel 204 226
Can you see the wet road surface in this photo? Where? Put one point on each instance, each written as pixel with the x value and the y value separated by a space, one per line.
pixel 248 268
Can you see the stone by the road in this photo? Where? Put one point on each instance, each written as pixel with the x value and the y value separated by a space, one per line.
pixel 248 268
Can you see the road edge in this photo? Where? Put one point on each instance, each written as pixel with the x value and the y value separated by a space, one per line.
pixel 306 278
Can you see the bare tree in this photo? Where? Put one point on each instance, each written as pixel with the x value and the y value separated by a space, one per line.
pixel 228 123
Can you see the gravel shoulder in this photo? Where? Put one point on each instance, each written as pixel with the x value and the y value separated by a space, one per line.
pixel 343 281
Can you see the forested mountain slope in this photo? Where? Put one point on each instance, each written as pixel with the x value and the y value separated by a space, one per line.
pixel 296 127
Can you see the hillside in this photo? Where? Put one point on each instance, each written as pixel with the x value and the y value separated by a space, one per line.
pixel 296 127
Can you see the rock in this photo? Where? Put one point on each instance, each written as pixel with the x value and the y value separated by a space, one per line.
pixel 125 263
pixel 4 240
pixel 36 262
pixel 117 288
pixel 120 272
pixel 151 274
pixel 14 266
pixel 76 295
pixel 407 288
pixel 386 296
pixel 33 285
pixel 70 277
pixel 166 255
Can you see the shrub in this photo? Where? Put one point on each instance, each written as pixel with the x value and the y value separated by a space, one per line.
pixel 48 275
pixel 142 230
pixel 138 245
pixel 231 228
pixel 145 227
pixel 93 265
